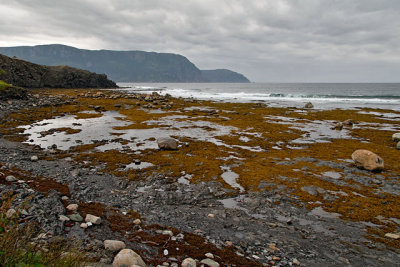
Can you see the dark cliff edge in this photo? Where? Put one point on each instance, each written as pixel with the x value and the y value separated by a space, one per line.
pixel 25 74
pixel 121 66
pixel 223 76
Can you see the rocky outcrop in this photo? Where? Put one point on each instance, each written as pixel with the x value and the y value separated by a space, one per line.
pixel 29 75
pixel 365 159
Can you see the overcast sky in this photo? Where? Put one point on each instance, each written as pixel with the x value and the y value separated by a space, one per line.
pixel 266 40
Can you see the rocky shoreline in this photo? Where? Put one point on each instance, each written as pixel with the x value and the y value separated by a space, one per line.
pixel 180 219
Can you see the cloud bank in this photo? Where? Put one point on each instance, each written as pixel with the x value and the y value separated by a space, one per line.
pixel 267 40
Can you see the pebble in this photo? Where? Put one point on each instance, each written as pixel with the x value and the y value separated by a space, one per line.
pixel 273 247
pixel 167 232
pixel 72 207
pixel 64 198
pixel 188 262
pixel 76 217
pixel 295 261
pixel 392 235
pixel 128 257
pixel 11 178
pixel 211 215
pixel 114 245
pixel 209 255
pixel 84 225
pixel 34 158
pixel 93 219
pixel 63 218
pixel 180 237
pixel 137 221
pixel 398 145
pixel 24 212
pixel 210 263
pixel 10 213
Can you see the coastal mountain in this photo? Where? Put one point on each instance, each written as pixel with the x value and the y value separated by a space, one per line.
pixel 29 75
pixel 123 66
pixel 223 75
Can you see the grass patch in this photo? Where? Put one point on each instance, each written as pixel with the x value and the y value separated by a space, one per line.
pixel 4 85
pixel 19 247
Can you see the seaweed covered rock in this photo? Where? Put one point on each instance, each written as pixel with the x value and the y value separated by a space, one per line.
pixel 29 75
pixel 365 159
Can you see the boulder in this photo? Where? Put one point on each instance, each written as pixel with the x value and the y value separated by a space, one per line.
pixel 348 122
pixel 128 257
pixel 188 262
pixel 308 105
pixel 114 245
pixel 167 143
pixel 367 160
pixel 210 263
pixel 338 126
pixel 396 137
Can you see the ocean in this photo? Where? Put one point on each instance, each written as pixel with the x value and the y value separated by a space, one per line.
pixel 322 95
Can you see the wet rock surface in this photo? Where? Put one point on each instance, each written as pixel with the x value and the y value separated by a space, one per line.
pixel 266 227
pixel 252 222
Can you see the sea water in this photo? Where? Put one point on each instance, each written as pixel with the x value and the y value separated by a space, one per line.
pixel 322 95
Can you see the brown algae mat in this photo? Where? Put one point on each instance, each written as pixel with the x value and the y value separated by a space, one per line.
pixel 243 146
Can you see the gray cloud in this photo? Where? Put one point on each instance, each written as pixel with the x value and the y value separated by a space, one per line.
pixel 267 40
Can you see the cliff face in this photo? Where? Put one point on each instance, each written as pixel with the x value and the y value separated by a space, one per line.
pixel 121 66
pixel 29 75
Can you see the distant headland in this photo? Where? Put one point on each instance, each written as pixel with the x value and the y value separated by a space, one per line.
pixel 124 66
